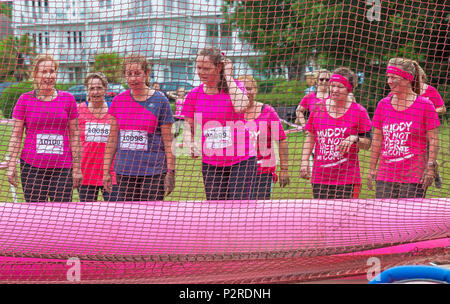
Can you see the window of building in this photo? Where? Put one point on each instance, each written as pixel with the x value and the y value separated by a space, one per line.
pixel 219 35
pixel 141 7
pixel 142 39
pixel 106 37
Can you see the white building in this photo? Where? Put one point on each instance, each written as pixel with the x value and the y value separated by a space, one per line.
pixel 168 32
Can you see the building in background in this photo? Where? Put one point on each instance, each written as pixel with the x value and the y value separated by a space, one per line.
pixel 168 32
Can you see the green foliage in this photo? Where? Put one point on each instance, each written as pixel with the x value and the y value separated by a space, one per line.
pixel 109 64
pixel 11 94
pixel 12 52
pixel 338 33
pixel 6 10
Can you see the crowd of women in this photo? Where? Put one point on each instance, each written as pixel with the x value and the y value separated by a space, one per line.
pixel 124 149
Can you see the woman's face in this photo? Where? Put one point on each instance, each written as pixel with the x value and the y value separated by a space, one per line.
pixel 207 72
pixel 323 81
pixel 136 76
pixel 251 89
pixel 181 92
pixel 397 83
pixel 45 75
pixel 338 91
pixel 96 91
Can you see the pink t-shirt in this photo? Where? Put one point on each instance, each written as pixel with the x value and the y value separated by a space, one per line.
pixel 94 133
pixel 225 138
pixel 331 167
pixel 404 149
pixel 179 107
pixel 264 129
pixel 433 95
pixel 309 101
pixel 46 142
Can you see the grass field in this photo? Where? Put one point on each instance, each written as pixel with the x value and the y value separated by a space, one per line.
pixel 189 184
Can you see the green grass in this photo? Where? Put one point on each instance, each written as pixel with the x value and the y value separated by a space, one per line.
pixel 189 184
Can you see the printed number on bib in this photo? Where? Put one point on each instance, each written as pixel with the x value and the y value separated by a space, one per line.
pixel 134 140
pixel 49 144
pixel 218 138
pixel 95 132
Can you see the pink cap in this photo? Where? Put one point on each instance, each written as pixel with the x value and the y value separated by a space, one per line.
pixel 402 73
pixel 343 80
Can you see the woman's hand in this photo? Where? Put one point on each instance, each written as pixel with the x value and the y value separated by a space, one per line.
pixel 77 178
pixel 427 177
pixel 169 182
pixel 347 143
pixel 12 174
pixel 284 178
pixel 370 178
pixel 304 170
pixel 107 182
pixel 227 68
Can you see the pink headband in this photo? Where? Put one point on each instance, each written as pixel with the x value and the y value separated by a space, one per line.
pixel 343 80
pixel 397 71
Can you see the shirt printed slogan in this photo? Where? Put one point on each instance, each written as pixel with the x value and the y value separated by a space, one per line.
pixel 396 136
pixel 329 141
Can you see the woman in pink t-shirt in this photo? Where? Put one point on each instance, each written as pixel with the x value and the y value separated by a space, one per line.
pixel 50 158
pixel 337 129
pixel 404 123
pixel 179 97
pixel 95 126
pixel 309 101
pixel 431 93
pixel 266 128
pixel 218 106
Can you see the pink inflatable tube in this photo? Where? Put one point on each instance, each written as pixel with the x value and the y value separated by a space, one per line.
pixel 227 230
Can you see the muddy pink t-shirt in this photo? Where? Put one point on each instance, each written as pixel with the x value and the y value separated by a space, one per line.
pixel 225 139
pixel 433 95
pixel 309 101
pixel 404 148
pixel 331 167
pixel 46 142
pixel 265 129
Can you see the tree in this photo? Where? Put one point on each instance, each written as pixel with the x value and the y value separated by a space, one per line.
pixel 13 51
pixel 109 64
pixel 361 34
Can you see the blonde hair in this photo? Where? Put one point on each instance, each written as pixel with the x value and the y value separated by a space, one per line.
pixel 410 66
pixel 249 78
pixel 322 71
pixel 38 60
pixel 96 75
pixel 139 60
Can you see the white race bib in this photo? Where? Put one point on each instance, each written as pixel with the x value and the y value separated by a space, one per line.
pixel 218 138
pixel 95 132
pixel 134 140
pixel 49 144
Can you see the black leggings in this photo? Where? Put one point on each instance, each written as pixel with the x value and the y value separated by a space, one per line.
pixel 229 182
pixel 399 190
pixel 321 191
pixel 44 184
pixel 141 188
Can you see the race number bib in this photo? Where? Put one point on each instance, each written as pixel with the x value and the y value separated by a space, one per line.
pixel 134 140
pixel 218 138
pixel 49 144
pixel 95 132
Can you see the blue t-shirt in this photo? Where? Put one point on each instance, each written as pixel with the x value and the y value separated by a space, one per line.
pixel 140 150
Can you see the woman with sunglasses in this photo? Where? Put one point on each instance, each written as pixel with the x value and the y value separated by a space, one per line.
pixel 308 102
